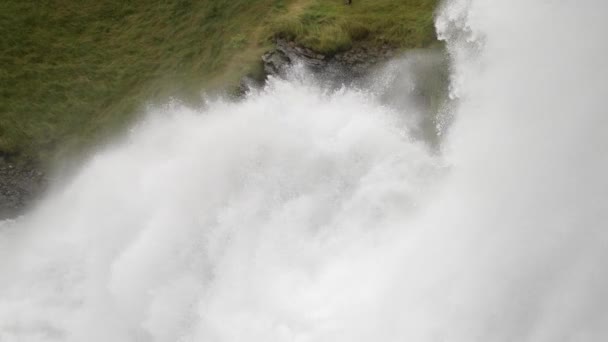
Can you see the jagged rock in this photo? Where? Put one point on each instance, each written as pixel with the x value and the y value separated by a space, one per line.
pixel 275 62
pixel 301 54
pixel 246 84
pixel 19 186
pixel 355 62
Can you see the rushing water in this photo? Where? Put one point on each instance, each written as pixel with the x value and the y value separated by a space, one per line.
pixel 308 214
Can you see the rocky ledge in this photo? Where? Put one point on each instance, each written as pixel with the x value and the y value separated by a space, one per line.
pixel 352 63
pixel 19 186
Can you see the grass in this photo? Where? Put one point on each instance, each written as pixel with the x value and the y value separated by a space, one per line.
pixel 328 26
pixel 75 72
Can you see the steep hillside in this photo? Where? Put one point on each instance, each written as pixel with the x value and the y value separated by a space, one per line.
pixel 74 72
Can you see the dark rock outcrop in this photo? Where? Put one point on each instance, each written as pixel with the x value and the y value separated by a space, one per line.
pixel 353 63
pixel 19 186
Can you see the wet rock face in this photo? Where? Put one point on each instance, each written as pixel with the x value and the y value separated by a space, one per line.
pixel 19 186
pixel 361 59
pixel 277 61
pixel 353 63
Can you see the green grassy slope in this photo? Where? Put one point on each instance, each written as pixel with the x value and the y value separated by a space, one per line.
pixel 72 72
pixel 330 26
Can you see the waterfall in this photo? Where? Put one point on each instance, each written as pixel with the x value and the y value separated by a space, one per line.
pixel 308 212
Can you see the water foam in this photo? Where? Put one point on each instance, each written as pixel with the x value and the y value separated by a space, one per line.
pixel 307 214
pixel 242 221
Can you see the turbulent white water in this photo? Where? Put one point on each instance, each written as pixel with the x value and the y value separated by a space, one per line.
pixel 304 214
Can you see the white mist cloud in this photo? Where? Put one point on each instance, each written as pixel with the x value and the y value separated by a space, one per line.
pixel 302 214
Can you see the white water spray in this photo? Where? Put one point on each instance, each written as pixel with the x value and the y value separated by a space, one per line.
pixel 301 214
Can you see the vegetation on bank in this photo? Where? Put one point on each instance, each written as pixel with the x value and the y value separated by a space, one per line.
pixel 330 26
pixel 73 72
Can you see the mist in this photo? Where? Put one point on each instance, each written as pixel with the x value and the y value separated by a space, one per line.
pixel 360 213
